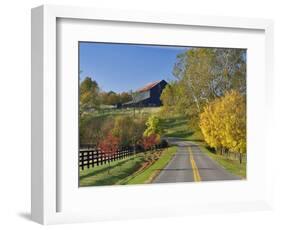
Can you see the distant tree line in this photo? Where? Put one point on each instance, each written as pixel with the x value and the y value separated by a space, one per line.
pixel 112 98
pixel 92 97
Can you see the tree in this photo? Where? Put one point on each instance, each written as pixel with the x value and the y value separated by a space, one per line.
pixel 204 74
pixel 123 129
pixel 223 123
pixel 89 95
pixel 210 121
pixel 168 96
pixel 129 130
pixel 211 72
pixel 112 98
pixel 234 120
pixel 89 130
pixel 150 141
pixel 109 146
pixel 176 98
pixel 152 133
pixel 125 97
pixel 94 128
pixel 153 126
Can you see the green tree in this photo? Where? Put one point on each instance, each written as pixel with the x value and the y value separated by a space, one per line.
pixel 123 129
pixel 92 129
pixel 89 95
pixel 129 130
pixel 125 97
pixel 112 98
pixel 204 74
pixel 176 99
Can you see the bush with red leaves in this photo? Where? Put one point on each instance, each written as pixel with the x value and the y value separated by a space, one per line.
pixel 150 141
pixel 109 145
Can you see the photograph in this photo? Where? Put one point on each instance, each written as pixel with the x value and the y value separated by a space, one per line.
pixel 152 114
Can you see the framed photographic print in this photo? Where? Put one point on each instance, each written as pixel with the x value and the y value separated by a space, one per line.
pixel 139 114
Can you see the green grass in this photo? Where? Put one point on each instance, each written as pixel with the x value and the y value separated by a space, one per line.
pixel 128 111
pixel 173 126
pixel 148 174
pixel 118 170
pixel 177 126
pixel 124 171
pixel 233 166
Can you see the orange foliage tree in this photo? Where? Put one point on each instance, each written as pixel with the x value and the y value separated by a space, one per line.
pixel 109 146
pixel 148 142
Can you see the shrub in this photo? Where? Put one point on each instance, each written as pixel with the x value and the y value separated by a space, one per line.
pixel 164 143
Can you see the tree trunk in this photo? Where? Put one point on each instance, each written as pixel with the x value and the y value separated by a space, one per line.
pixel 217 150
pixel 240 158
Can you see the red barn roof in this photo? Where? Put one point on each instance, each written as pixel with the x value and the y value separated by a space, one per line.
pixel 148 86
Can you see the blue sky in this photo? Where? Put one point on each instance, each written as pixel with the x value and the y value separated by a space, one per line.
pixel 122 67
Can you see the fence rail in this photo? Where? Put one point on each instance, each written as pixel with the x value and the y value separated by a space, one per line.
pixel 95 157
pixel 88 146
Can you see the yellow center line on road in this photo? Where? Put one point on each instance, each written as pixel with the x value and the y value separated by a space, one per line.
pixel 195 170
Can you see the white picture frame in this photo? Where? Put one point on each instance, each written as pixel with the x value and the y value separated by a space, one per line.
pixel 47 175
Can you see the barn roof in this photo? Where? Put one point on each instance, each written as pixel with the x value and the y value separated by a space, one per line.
pixel 148 86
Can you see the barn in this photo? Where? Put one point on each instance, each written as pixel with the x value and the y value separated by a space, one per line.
pixel 147 96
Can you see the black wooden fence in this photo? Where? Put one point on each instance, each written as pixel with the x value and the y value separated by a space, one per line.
pixel 93 156
pixel 88 146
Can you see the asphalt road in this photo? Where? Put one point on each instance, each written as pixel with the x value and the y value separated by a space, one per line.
pixel 190 164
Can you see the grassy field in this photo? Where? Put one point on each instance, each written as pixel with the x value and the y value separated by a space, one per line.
pixel 111 174
pixel 177 126
pixel 233 166
pixel 128 111
pixel 148 174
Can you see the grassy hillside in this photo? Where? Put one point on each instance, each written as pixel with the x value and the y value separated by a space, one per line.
pixel 172 125
pixel 178 126
pixel 128 111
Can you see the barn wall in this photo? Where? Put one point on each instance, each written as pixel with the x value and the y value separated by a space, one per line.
pixel 154 99
pixel 156 92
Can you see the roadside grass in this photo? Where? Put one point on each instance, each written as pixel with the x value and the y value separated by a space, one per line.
pixel 233 166
pixel 178 126
pixel 118 170
pixel 148 174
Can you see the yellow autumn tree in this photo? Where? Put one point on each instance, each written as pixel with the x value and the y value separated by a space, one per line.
pixel 209 124
pixel 223 123
pixel 153 127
